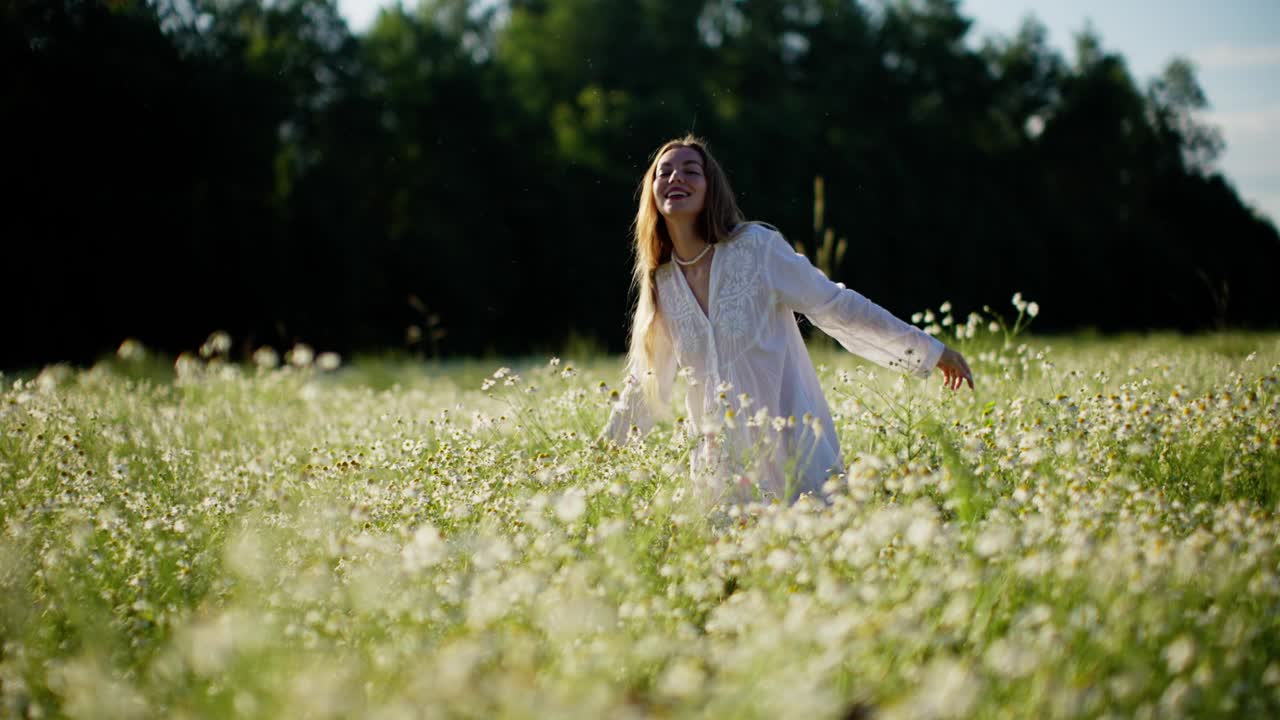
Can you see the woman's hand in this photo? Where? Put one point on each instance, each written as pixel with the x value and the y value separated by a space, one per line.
pixel 954 369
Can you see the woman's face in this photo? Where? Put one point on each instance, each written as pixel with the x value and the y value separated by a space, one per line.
pixel 680 182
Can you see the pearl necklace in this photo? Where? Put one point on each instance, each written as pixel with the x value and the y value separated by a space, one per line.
pixel 687 263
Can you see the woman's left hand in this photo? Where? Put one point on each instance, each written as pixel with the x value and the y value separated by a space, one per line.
pixel 954 369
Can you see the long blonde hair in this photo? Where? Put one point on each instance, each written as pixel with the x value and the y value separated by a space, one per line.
pixel 717 221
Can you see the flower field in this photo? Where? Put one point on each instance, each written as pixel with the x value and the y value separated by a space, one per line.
pixel 1092 533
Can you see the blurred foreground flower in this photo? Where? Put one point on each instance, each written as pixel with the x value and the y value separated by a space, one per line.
pixel 218 344
pixel 301 355
pixel 52 376
pixel 266 357
pixel 427 548
pixel 131 350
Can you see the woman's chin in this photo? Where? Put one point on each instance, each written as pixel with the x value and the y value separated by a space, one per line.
pixel 677 210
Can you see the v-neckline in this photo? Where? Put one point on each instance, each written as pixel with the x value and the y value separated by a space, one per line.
pixel 711 285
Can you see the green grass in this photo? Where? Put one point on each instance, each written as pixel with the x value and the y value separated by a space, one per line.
pixel 1092 532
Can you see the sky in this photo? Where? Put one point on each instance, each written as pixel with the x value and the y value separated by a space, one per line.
pixel 1234 44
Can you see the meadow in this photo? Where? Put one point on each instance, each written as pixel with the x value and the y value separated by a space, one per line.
pixel 1091 533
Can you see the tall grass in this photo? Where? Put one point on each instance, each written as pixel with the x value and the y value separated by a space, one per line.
pixel 1090 533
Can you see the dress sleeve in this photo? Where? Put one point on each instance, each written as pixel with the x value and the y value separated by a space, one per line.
pixel 861 326
pixel 632 408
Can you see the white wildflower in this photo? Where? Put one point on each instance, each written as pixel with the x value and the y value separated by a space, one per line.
pixel 948 689
pixel 131 350
pixel 780 560
pixel 301 355
pixel 427 548
pixel 266 357
pixel 218 344
pixel 570 505
pixel 1179 654
pixel 921 531
pixel 1010 658
pixel 683 679
pixel 994 540
pixel 1176 697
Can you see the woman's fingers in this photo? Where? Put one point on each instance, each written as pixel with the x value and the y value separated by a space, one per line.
pixel 955 371
pixel 950 377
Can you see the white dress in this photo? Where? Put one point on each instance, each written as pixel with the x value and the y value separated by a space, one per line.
pixel 750 388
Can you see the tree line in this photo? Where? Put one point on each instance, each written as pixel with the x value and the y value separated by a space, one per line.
pixel 461 177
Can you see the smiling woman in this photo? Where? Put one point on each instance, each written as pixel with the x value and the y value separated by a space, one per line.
pixel 715 307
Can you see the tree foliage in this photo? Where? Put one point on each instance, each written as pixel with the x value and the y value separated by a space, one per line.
pixel 469 169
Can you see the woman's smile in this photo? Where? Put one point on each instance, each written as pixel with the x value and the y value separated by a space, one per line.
pixel 679 183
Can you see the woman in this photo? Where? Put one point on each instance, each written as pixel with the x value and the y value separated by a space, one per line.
pixel 716 297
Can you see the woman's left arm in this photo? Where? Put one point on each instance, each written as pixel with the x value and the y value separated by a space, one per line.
pixel 861 326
